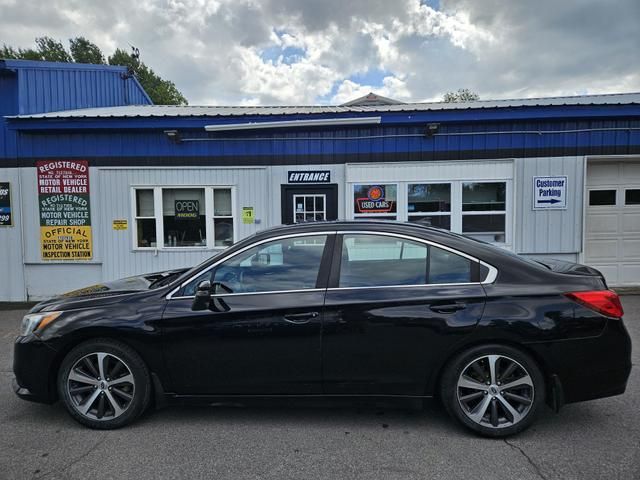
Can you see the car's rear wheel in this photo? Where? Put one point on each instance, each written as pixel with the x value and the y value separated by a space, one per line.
pixel 494 390
pixel 104 384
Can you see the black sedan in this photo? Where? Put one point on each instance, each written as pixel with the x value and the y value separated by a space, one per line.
pixel 342 310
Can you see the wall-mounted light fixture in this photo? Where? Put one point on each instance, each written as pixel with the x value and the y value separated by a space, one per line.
pixel 432 129
pixel 173 135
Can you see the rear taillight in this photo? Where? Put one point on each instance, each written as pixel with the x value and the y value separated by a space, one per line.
pixel 605 302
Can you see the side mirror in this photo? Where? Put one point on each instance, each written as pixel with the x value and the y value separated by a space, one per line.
pixel 202 298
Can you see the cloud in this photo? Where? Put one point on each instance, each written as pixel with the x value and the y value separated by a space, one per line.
pixel 306 51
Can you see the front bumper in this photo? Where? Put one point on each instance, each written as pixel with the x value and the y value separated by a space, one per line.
pixel 34 366
pixel 590 368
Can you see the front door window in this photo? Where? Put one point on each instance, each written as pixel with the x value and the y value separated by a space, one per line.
pixel 309 208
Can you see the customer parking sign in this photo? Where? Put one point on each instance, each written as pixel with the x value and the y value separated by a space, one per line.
pixel 550 193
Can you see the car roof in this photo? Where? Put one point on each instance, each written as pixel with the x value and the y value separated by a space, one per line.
pixel 392 225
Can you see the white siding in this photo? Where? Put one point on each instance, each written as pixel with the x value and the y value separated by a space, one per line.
pixel 11 266
pixel 548 231
pixel 120 259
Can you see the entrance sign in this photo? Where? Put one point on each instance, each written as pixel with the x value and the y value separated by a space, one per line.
pixel 550 193
pixel 313 176
pixel 65 215
pixel 6 219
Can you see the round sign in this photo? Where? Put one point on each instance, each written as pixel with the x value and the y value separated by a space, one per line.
pixel 375 193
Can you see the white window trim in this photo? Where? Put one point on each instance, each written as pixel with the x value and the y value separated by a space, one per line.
pixel 159 218
pixel 456 203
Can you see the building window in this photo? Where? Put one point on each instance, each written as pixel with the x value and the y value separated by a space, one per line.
pixel 430 204
pixel 183 216
pixel 484 210
pixel 222 217
pixel 632 196
pixel 375 201
pixel 178 217
pixel 145 221
pixel 601 198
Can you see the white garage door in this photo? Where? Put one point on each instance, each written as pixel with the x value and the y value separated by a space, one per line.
pixel 612 242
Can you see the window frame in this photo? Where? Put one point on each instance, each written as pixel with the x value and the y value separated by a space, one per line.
pixel 485 212
pixel 330 257
pixel 456 212
pixel 209 214
pixel 375 215
pixel 604 189
pixel 449 214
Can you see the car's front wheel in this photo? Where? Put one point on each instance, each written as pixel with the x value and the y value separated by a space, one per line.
pixel 104 384
pixel 494 390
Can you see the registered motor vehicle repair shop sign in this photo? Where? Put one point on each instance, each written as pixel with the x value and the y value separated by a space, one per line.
pixel 65 218
pixel 549 193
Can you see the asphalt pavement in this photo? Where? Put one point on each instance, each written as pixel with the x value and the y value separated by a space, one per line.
pixel 592 440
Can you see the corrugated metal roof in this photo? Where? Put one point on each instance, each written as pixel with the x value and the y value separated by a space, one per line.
pixel 232 111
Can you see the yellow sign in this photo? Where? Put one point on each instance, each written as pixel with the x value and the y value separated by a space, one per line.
pixel 248 215
pixel 66 243
pixel 120 225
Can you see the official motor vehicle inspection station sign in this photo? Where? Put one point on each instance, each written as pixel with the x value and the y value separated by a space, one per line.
pixel 65 215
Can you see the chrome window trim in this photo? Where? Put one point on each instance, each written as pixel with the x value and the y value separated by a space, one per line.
pixel 271 292
pixel 170 296
pixel 417 285
pixel 490 278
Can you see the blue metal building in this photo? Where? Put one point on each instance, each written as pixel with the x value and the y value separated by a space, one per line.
pixel 171 185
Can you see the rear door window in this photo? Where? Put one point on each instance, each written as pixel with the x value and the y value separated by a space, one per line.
pixel 379 260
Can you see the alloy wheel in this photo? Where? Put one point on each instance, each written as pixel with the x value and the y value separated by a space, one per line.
pixel 101 386
pixel 495 391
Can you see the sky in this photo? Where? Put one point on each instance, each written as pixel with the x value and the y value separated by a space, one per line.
pixel 300 52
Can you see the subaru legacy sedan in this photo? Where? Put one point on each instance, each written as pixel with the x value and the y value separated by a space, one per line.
pixel 340 310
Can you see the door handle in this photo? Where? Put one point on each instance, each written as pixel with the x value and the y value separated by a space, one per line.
pixel 448 307
pixel 300 318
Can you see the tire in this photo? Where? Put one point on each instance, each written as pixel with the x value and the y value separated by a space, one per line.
pixel 104 384
pixel 504 403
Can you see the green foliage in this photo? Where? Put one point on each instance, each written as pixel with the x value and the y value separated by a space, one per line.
pixel 52 50
pixel 83 51
pixel 462 95
pixel 162 92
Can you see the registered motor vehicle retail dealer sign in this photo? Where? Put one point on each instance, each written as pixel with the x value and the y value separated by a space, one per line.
pixel 65 215
pixel 550 193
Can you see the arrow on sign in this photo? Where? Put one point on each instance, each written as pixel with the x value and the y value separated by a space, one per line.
pixel 551 200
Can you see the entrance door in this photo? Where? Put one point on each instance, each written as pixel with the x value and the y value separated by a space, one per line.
pixel 309 208
pixel 612 240
pixel 309 203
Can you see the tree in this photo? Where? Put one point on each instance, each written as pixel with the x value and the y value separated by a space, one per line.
pixel 462 95
pixel 162 92
pixel 83 51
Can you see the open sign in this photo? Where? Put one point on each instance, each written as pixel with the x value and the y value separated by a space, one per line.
pixel 187 209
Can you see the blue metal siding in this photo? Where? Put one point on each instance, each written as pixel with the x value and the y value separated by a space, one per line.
pixel 8 106
pixel 337 146
pixel 49 90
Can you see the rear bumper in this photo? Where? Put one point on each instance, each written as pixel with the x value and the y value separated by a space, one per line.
pixel 590 368
pixel 33 366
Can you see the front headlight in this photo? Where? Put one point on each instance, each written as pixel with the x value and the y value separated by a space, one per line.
pixel 36 321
